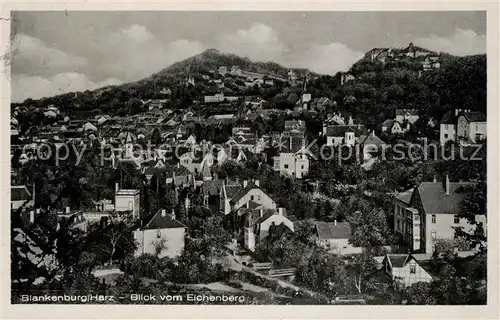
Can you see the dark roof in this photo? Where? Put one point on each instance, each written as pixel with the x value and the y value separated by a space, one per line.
pixel 371 140
pixel 388 123
pixel 242 192
pixel 435 201
pixel 212 187
pixel 328 230
pixel 405 196
pixel 475 116
pixel 402 112
pixel 159 222
pixel 340 130
pixel 232 190
pixel 19 193
pixel 398 260
pixel 448 118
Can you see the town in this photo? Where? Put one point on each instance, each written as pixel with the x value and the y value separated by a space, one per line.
pixel 219 175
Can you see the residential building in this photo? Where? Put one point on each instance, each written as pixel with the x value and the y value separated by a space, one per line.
pixel 334 236
pixel 293 156
pixel 429 213
pixel 343 134
pixel 128 200
pixel 20 196
pixel 160 235
pixel 392 127
pixel 405 269
pixel 258 221
pixel 463 125
pixel 406 115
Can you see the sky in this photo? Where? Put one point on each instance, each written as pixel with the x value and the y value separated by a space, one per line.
pixel 59 52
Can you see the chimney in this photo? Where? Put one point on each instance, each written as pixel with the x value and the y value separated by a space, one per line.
pixel 280 211
pixel 116 187
pixel 245 183
pixel 172 215
pixel 178 164
pixel 257 182
pixel 291 143
pixel 163 213
pixel 434 180
pixel 247 204
pixel 68 210
pixel 261 212
pixel 447 185
pixel 373 133
pixel 335 222
pixel 32 216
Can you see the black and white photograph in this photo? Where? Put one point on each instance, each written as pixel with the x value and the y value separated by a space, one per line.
pixel 248 158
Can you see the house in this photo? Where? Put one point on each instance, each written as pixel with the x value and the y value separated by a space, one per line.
pixel 294 127
pixel 406 115
pixel 343 134
pixel 73 219
pixel 405 269
pixel 211 191
pixel 160 235
pixel 392 127
pixel 335 236
pixel 235 70
pixel 259 221
pixel 471 126
pixel 235 195
pixel 429 213
pixel 414 51
pixel 463 125
pixel 128 200
pixel 293 156
pixel 179 176
pixel 370 145
pixel 20 196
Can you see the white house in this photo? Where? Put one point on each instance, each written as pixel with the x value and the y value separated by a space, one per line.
pixel 405 269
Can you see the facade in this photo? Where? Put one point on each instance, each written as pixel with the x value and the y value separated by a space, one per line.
pixel 343 134
pixel 428 214
pixel 161 235
pixel 405 269
pixel 258 223
pixel 463 125
pixel 392 127
pixel 128 200
pixel 293 157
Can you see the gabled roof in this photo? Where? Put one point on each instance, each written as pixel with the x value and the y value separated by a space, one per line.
pixel 475 116
pixel 405 196
pixel 19 193
pixel 371 140
pixel 242 192
pixel 398 260
pixel 159 222
pixel 328 230
pixel 340 130
pixel 212 187
pixel 435 201
pixel 402 112
pixel 448 118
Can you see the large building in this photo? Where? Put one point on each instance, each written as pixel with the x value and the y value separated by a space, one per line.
pixel 429 213
pixel 161 235
pixel 128 200
pixel 463 125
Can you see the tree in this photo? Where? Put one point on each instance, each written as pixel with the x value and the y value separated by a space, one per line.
pixel 419 293
pixel 361 267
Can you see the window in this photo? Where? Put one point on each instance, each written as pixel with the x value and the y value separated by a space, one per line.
pixel 158 234
pixel 477 127
pixel 433 218
pixel 456 219
pixel 286 166
pixel 252 198
pixel 258 198
pixel 398 225
pixel 433 234
pixel 130 205
pixel 416 217
pixel 413 268
pixel 446 136
pixel 302 167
